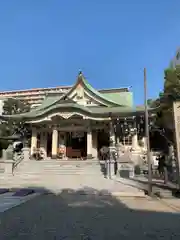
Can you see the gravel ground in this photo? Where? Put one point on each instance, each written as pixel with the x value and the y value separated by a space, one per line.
pixel 75 216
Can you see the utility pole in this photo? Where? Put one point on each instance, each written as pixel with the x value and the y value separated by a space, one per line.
pixel 147 136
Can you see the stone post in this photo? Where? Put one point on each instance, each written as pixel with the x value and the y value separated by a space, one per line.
pixel 135 143
pixel 33 140
pixel 8 167
pixel 144 140
pixel 9 152
pixel 54 142
pixel 112 150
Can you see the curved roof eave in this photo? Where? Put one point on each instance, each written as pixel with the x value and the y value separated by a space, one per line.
pixel 88 110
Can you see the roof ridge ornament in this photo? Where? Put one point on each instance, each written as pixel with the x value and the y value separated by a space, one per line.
pixel 80 72
pixel 80 77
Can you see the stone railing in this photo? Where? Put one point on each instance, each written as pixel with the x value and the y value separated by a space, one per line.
pixel 10 161
pixel 18 158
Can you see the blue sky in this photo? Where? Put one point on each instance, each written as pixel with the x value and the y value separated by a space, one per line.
pixel 44 43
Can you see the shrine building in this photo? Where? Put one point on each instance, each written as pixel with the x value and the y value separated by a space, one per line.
pixel 80 120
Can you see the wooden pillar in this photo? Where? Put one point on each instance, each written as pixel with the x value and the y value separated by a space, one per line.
pixel 89 142
pixel 33 140
pixel 94 144
pixel 54 142
pixel 43 143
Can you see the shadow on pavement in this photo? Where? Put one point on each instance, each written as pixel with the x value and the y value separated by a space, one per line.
pixel 87 214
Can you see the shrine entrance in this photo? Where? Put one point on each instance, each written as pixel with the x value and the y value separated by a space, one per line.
pixel 76 145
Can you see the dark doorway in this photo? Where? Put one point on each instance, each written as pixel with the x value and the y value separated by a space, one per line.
pixel 158 142
pixel 49 144
pixel 76 145
pixel 103 139
pixel 38 140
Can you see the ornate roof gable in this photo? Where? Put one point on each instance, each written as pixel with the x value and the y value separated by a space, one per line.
pixel 83 93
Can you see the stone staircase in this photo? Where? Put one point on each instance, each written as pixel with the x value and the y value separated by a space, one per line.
pixel 58 167
pixel 35 172
pixel 56 175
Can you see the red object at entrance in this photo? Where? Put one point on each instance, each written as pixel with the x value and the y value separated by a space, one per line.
pixel 73 153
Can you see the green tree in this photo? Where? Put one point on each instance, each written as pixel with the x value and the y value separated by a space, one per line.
pixel 11 126
pixel 170 93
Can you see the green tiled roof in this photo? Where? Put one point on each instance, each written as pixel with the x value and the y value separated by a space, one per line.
pixel 48 101
pixel 112 99
pixel 74 107
pixel 104 97
pixel 122 98
pixel 120 103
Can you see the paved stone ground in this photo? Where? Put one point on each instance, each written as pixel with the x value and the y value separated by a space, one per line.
pixel 174 203
pixel 8 200
pixel 75 216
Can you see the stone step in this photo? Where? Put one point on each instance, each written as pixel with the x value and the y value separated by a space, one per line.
pixel 74 163
pixel 56 167
pixel 36 171
pixel 162 193
pixel 58 170
pixel 60 174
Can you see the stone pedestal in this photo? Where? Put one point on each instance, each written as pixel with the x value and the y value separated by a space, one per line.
pixel 126 170
pixel 8 167
pixel 9 152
